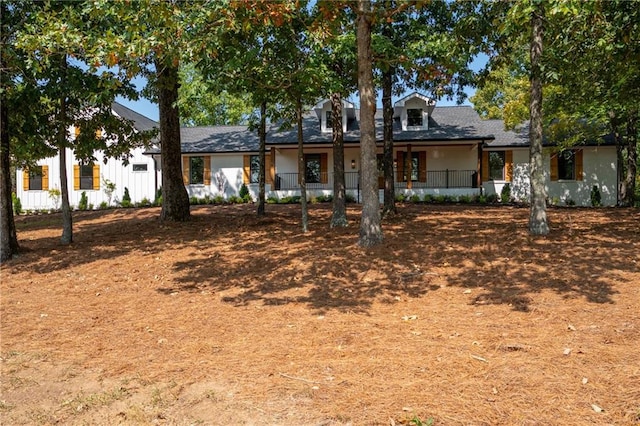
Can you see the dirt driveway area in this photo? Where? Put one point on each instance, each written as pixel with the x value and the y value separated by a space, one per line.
pixel 459 318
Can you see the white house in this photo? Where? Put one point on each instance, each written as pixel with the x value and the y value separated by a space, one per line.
pixel 437 150
pixel 35 185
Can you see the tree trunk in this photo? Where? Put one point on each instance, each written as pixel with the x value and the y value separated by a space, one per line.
pixel 175 200
pixel 8 237
pixel 613 122
pixel 632 159
pixel 339 216
pixel 370 228
pixel 387 156
pixel 302 175
pixel 67 217
pixel 538 213
pixel 262 154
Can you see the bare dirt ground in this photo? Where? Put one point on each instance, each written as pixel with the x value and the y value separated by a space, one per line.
pixel 460 318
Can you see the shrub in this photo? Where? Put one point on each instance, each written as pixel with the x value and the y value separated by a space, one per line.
pixel 428 198
pixel 244 194
pixel 218 199
pixel 103 205
pixel 193 201
pixel 126 198
pixel 465 199
pixel 415 198
pixel 492 198
pixel 505 194
pixel 440 199
pixel 234 199
pixel 109 189
pixel 145 202
pixel 84 201
pixel 158 198
pixel 54 194
pixel 569 201
pixel 17 204
pixel 482 199
pixel 272 199
pixel 324 198
pixel 350 198
pixel 596 197
pixel 400 198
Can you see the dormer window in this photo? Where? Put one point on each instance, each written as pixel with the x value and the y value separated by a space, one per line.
pixel 414 117
pixel 328 120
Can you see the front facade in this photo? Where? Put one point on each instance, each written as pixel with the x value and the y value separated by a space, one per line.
pixel 437 151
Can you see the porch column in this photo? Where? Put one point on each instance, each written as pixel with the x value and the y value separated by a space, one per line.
pixel 272 167
pixel 479 166
pixel 409 162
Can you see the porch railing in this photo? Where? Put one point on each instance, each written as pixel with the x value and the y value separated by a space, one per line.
pixel 434 179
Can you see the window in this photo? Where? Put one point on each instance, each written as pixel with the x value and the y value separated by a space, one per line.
pixel 312 167
pixel 418 163
pixel 496 165
pixel 329 120
pixel 254 169
pixel 567 165
pixel 86 176
pixel 35 178
pixel 139 167
pixel 196 170
pixel 414 117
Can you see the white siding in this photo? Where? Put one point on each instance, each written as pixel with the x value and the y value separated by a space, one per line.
pixel 140 184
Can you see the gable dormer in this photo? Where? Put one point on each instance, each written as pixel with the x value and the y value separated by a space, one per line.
pixel 414 111
pixel 324 114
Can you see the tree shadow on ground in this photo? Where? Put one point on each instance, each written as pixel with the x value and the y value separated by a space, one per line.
pixel 425 248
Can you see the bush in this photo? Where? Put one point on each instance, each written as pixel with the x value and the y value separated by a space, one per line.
pixel 569 202
pixel 145 202
pixel 505 194
pixel 415 198
pixel 400 198
pixel 17 204
pixel 465 199
pixel 324 198
pixel 596 197
pixel 440 199
pixel 218 199
pixel 103 205
pixel 126 198
pixel 492 198
pixel 272 199
pixel 158 199
pixel 244 194
pixel 350 198
pixel 84 201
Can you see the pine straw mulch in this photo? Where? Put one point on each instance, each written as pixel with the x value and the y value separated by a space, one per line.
pixel 460 317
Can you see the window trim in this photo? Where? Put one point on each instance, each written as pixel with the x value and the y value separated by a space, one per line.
pixel 254 168
pixel 84 178
pixel 503 157
pixel 133 167
pixel 35 177
pixel 192 170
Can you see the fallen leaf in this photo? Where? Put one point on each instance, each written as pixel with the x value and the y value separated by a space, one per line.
pixel 566 351
pixel 596 408
pixel 571 327
pixel 585 380
pixel 409 317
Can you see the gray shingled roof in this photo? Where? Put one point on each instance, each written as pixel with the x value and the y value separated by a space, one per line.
pixel 446 124
pixel 140 122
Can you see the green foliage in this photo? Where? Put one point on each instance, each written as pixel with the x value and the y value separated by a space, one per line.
pixel 505 193
pixel 322 198
pixel 465 199
pixel 103 205
pixel 350 198
pixel 596 197
pixel 108 188
pixel 428 198
pixel 244 194
pixel 126 198
pixel 569 201
pixel 145 202
pixel 54 194
pixel 416 421
pixel 415 198
pixel 84 201
pixel 492 198
pixel 400 198
pixel 272 199
pixel 17 204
